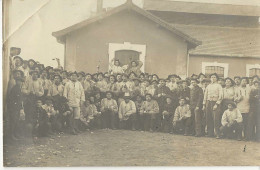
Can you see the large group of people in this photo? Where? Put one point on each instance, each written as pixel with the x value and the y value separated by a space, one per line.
pixel 43 101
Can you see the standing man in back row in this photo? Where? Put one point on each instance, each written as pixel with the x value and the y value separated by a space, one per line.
pixel 211 103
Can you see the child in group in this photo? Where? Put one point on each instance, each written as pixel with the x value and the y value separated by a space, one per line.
pixel 182 117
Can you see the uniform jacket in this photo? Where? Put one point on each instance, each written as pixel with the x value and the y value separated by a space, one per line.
pixel 74 92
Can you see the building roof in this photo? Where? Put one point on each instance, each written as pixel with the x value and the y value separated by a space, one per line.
pixel 127 6
pixel 202 8
pixel 224 41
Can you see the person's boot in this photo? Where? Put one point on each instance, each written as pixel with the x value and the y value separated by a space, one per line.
pixel 72 127
pixel 77 124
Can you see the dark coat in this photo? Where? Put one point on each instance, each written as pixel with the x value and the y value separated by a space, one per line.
pixel 196 97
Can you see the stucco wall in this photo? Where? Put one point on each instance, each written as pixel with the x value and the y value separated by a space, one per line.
pixel 237 66
pixel 89 45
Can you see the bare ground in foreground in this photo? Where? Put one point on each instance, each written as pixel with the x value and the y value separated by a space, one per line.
pixel 129 148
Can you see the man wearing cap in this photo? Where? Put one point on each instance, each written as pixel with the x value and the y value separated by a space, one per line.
pixel 182 117
pixel 232 120
pixel 127 113
pixel 228 93
pixel 101 84
pixel 150 113
pixel 46 83
pixel 196 100
pixel 136 89
pixel 109 111
pixel 56 88
pixel 172 84
pixel 242 99
pixel 161 92
pixel 254 114
pixel 211 104
pixel 15 102
pixel 88 85
pixel 74 92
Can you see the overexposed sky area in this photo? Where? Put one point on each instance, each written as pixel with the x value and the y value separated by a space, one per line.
pixel 33 21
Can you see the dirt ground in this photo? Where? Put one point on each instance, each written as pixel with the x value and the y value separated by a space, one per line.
pixel 129 148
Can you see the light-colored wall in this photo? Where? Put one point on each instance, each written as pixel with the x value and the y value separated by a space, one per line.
pixel 164 50
pixel 237 66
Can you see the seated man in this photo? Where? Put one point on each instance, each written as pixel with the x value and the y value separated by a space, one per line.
pixel 127 113
pixel 41 125
pixel 232 120
pixel 52 114
pixel 167 115
pixel 109 111
pixel 182 117
pixel 150 113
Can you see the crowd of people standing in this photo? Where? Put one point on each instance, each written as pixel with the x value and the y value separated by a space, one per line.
pixel 47 100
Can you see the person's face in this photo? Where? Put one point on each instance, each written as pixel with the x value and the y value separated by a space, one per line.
pixel 57 80
pixel 124 78
pixel 119 78
pixel 243 82
pixel 213 78
pixel 136 82
pixel 132 76
pixel 250 82
pixel 109 95
pixel 255 79
pixel 74 77
pixel 116 63
pixel 182 102
pixel 80 77
pixel 25 65
pixel 169 101
pixel 150 78
pixel 63 75
pixel 18 62
pixel 97 96
pixel 184 84
pixel 146 83
pixel 112 79
pixel 162 83
pixel 100 77
pixel 202 78
pixel 193 83
pixel 154 84
pixel 257 85
pixel 51 70
pixel 39 103
pixel 155 77
pixel 31 64
pixel 18 75
pixel 172 79
pixel 228 83
pixel 88 77
pixel 34 76
pixel 237 81
pixel 44 74
pixel 148 98
pixel 37 69
pixel 230 107
pixel 127 99
pixel 141 77
pixel 138 98
pixel 133 64
pixel 177 79
pixel 92 99
pixel 87 102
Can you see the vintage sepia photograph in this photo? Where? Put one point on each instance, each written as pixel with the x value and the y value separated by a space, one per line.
pixel 98 83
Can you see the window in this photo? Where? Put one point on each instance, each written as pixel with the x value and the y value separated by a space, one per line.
pixel 252 69
pixel 214 69
pixel 220 68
